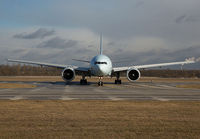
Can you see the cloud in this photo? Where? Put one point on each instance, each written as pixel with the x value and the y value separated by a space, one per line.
pixel 139 4
pixel 38 34
pixel 116 19
pixel 184 19
pixel 131 28
pixel 58 43
pixel 192 19
pixel 158 56
pixel 180 19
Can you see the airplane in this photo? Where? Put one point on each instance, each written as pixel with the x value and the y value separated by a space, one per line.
pixel 101 66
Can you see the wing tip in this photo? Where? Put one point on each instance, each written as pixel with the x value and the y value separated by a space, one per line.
pixel 191 59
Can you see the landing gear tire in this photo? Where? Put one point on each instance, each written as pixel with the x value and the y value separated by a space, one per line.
pixel 83 81
pixel 118 82
pixel 100 83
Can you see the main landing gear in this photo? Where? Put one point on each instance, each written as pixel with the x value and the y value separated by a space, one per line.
pixel 83 81
pixel 118 81
pixel 100 83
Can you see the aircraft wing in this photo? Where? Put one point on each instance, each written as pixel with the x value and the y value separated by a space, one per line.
pixel 187 61
pixel 77 69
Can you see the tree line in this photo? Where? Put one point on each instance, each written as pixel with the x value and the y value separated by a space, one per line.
pixel 29 70
pixel 167 73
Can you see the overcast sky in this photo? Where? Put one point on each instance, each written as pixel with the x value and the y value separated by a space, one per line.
pixel 59 30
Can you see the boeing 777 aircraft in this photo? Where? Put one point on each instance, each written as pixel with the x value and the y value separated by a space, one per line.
pixel 101 66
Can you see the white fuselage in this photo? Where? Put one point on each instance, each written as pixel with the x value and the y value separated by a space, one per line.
pixel 101 65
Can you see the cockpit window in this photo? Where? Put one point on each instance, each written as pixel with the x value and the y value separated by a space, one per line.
pixel 100 63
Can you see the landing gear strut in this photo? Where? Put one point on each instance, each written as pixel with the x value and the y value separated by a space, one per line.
pixel 83 81
pixel 118 81
pixel 100 83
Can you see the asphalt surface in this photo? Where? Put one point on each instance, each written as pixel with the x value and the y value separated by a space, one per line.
pixel 110 91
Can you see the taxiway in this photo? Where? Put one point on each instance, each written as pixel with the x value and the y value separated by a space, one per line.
pixel 127 91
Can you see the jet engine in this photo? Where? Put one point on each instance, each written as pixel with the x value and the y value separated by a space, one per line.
pixel 133 74
pixel 68 74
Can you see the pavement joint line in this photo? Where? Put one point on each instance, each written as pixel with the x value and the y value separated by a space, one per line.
pixel 98 90
pixel 115 86
pixel 114 98
pixel 167 86
pixel 150 86
pixel 66 98
pixel 16 98
pixel 35 90
pixel 3 90
pixel 160 99
pixel 133 86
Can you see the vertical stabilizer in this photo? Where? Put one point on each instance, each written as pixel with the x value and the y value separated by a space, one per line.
pixel 101 47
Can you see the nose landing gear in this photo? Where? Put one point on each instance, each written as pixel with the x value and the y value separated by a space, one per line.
pixel 100 83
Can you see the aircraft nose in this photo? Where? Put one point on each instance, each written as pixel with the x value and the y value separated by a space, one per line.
pixel 101 69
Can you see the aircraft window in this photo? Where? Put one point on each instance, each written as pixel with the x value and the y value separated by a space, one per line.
pixel 100 62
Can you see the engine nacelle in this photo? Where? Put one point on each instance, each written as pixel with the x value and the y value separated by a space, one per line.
pixel 133 74
pixel 68 74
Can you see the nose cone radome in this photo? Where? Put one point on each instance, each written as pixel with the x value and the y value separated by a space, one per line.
pixel 102 70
